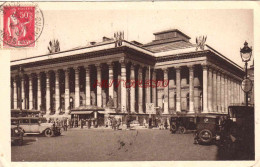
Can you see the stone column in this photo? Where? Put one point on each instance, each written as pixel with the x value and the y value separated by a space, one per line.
pixel 222 93
pixel 140 89
pixel 205 88
pixel 229 91
pixel 154 83
pixel 39 93
pixel 15 92
pixel 57 92
pixel 227 95
pixel 210 90
pixel 87 68
pixel 166 92
pixel 67 91
pixel 147 88
pixel 232 91
pixel 99 90
pixel 218 91
pixel 77 69
pixel 48 96
pixel 132 88
pixel 30 92
pixel 111 79
pixel 123 86
pixel 214 97
pixel 22 93
pixel 238 92
pixel 178 89
pixel 191 88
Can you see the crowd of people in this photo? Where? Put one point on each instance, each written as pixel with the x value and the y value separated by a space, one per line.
pixel 111 122
pixel 114 123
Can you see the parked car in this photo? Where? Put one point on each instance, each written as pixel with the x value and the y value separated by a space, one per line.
pixel 16 132
pixel 32 125
pixel 208 128
pixel 182 123
pixel 237 135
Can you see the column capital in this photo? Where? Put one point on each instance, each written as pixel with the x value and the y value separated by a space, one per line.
pixel 190 66
pixel 205 66
pixel 16 78
pixel 111 64
pixel 132 66
pixel 177 68
pixel 76 68
pixel 165 70
pixel 140 66
pixel 123 62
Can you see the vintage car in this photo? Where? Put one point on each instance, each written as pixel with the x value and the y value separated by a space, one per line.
pixel 237 133
pixel 32 125
pixel 208 128
pixel 16 132
pixel 182 123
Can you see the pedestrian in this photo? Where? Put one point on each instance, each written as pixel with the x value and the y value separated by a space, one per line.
pixel 114 122
pixel 165 124
pixel 71 123
pixel 76 123
pixel 89 123
pixel 65 124
pixel 118 123
pixel 81 123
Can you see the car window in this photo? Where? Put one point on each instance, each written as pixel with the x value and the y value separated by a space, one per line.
pixel 34 121
pixel 25 121
pixel 14 122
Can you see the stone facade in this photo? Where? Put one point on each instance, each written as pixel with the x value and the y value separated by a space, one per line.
pixel 202 81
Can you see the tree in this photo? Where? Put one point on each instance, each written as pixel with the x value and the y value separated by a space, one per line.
pixel 54 46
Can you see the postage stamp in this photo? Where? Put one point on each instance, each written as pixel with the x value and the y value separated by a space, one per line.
pixel 22 24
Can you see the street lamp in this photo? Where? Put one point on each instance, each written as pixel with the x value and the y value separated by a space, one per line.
pixel 20 73
pixel 246 53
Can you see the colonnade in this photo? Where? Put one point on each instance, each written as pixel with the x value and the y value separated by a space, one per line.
pixel 218 88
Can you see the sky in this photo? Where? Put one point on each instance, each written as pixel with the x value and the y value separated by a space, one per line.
pixel 226 29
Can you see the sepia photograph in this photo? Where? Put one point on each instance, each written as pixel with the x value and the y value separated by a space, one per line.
pixel 100 83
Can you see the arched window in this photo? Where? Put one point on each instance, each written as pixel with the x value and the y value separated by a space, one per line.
pixel 188 101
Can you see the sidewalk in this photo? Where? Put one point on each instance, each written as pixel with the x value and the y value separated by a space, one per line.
pixel 120 128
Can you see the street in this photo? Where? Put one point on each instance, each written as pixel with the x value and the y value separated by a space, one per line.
pixel 109 145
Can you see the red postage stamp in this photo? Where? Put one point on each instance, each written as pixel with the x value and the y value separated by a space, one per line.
pixel 19 26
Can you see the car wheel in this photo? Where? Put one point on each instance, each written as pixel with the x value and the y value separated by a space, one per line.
pixel 48 132
pixel 173 128
pixel 205 136
pixel 20 142
pixel 182 129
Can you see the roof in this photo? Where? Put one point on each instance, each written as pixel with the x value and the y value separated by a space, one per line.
pixel 171 30
pixel 25 111
pixel 88 108
pixel 168 44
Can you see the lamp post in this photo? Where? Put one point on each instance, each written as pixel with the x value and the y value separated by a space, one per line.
pixel 246 53
pixel 20 73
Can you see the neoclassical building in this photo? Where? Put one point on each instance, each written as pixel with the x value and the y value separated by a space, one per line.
pixel 200 80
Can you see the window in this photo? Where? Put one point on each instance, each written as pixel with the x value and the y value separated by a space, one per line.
pixel 188 101
pixel 81 101
pixel 25 121
pixel 34 121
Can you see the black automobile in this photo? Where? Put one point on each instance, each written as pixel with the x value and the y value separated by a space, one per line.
pixel 16 132
pixel 237 135
pixel 182 123
pixel 208 128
